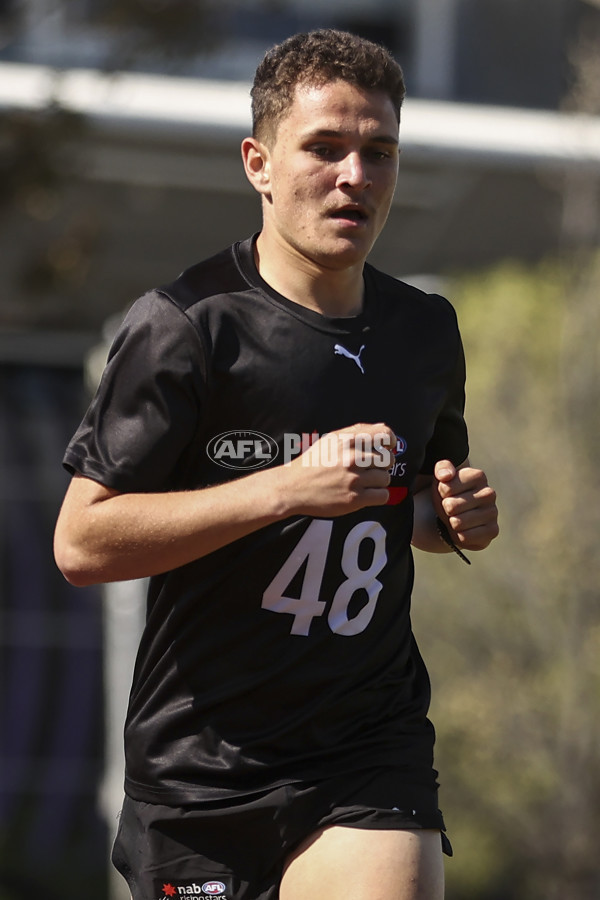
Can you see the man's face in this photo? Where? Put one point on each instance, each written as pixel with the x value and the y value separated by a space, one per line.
pixel 330 173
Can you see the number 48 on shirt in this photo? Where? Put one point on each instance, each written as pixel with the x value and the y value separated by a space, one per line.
pixel 313 549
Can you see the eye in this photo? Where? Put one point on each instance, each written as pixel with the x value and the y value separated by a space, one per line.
pixel 378 155
pixel 323 151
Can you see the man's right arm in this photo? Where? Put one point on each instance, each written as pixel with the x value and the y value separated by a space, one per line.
pixel 104 535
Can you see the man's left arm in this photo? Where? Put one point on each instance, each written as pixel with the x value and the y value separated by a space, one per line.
pixel 462 499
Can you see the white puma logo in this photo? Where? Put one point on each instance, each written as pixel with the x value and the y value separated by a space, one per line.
pixel 356 357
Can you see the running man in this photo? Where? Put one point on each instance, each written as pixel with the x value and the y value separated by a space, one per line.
pixel 273 430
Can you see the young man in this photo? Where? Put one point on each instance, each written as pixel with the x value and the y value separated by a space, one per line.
pixel 271 432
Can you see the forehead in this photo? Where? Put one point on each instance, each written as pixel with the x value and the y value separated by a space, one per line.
pixel 339 106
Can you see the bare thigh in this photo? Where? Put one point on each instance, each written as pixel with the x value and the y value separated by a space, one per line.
pixel 341 862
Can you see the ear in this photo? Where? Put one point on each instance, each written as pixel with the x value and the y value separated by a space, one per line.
pixel 257 164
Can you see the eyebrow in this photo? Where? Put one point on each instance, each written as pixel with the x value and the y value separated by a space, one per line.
pixel 332 133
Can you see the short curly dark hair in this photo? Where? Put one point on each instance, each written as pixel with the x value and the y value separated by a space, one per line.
pixel 318 57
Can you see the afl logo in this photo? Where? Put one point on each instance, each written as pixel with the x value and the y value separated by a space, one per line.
pixel 214 888
pixel 242 450
pixel 401 446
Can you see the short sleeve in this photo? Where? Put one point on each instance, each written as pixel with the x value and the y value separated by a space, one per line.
pixel 145 413
pixel 450 437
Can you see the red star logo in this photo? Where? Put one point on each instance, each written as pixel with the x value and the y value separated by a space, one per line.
pixel 169 890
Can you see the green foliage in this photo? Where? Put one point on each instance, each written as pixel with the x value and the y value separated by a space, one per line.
pixel 513 643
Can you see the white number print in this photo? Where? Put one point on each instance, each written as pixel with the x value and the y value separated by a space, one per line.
pixel 312 549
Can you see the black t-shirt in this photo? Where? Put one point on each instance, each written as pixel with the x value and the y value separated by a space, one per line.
pixel 288 654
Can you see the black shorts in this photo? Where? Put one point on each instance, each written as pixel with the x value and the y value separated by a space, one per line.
pixel 236 849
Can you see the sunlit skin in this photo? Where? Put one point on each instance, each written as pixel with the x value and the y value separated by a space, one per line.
pixel 327 178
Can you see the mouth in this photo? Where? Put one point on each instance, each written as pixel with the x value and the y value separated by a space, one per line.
pixel 356 214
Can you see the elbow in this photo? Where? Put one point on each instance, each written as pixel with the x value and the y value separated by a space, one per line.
pixel 75 565
pixel 80 548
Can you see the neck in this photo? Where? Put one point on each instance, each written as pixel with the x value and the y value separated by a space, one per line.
pixel 331 291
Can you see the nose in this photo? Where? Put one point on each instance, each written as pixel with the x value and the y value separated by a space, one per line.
pixel 353 171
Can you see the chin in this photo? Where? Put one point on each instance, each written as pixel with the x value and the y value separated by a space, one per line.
pixel 346 253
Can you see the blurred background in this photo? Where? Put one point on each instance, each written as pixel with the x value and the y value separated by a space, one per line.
pixel 120 124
